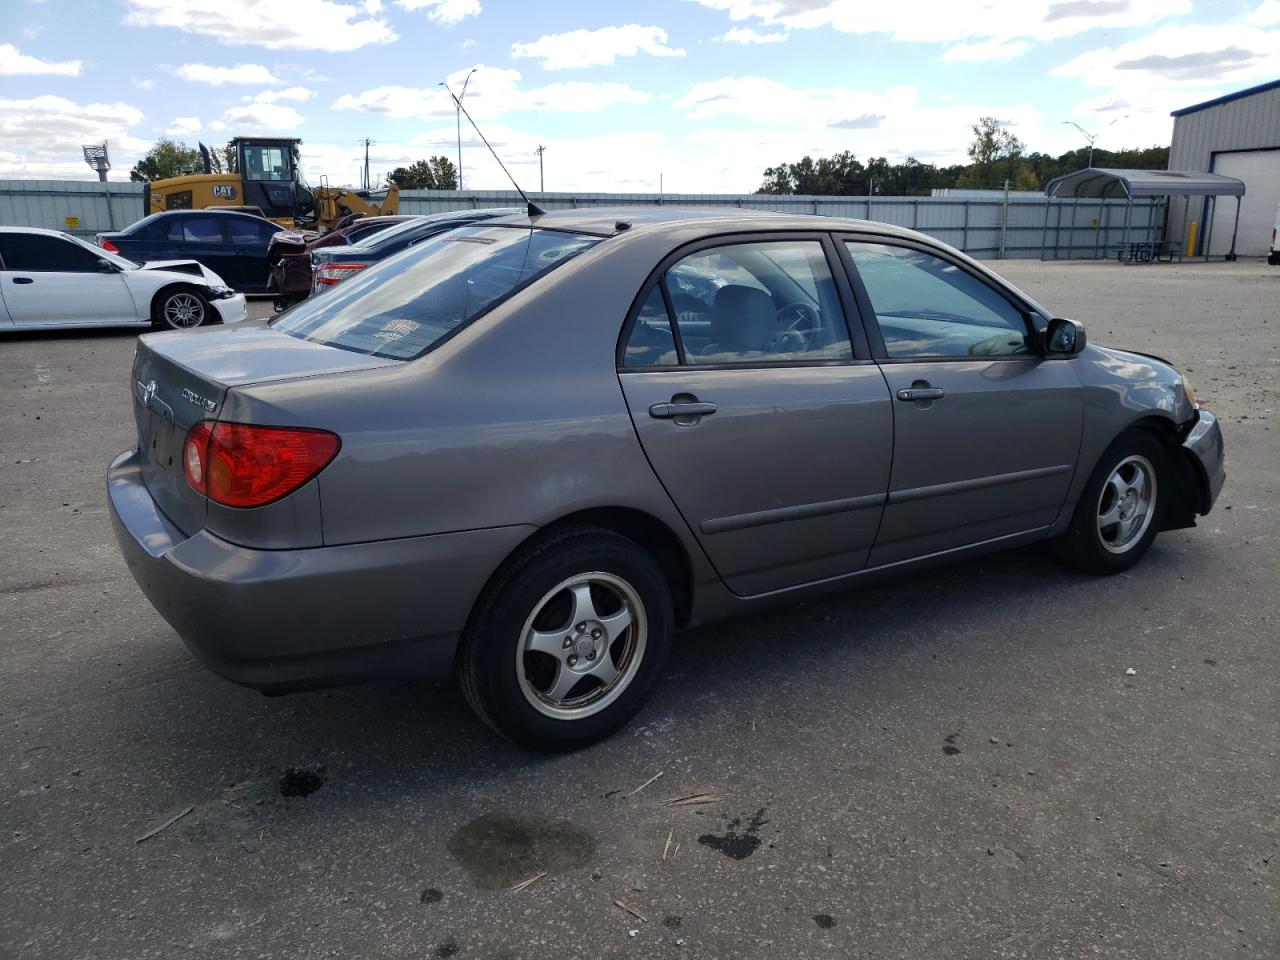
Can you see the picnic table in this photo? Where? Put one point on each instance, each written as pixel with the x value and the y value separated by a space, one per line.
pixel 1148 251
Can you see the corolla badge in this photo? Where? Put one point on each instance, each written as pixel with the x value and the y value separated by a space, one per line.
pixel 203 402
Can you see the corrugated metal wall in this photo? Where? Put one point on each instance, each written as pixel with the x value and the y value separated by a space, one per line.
pixel 1033 227
pixel 1250 123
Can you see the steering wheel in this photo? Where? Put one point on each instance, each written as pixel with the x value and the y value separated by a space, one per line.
pixel 800 322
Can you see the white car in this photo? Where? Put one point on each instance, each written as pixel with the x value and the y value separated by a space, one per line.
pixel 51 279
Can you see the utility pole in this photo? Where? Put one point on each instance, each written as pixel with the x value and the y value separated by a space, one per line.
pixel 457 116
pixel 366 143
pixel 542 183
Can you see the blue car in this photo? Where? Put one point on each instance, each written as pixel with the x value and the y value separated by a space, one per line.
pixel 232 245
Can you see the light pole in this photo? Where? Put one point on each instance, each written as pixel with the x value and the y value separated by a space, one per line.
pixel 542 183
pixel 1093 137
pixel 457 114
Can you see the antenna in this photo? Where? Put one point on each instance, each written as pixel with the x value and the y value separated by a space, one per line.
pixel 534 209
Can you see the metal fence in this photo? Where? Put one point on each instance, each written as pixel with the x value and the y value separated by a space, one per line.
pixel 990 228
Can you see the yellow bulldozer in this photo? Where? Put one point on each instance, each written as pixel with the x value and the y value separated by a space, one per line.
pixel 268 180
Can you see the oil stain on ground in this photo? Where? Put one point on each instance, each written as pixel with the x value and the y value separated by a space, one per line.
pixel 500 851
pixel 301 782
pixel 735 845
pixel 950 748
pixel 824 920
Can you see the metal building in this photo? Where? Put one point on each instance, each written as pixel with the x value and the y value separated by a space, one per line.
pixel 1237 135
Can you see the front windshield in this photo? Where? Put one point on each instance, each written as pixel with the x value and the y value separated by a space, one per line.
pixel 404 306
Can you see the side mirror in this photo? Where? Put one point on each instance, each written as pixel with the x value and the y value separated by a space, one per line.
pixel 105 266
pixel 1064 338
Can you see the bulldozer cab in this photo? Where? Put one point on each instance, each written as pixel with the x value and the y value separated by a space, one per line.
pixel 272 176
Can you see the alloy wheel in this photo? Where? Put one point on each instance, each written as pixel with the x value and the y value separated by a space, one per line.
pixel 582 646
pixel 1126 504
pixel 183 311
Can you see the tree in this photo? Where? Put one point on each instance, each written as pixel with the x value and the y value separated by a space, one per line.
pixel 437 173
pixel 996 154
pixel 165 159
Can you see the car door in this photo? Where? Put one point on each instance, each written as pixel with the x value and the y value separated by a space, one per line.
pixel 50 280
pixel 770 431
pixel 203 237
pixel 250 238
pixel 986 431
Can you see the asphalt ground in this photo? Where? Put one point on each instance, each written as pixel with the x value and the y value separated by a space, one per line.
pixel 955 765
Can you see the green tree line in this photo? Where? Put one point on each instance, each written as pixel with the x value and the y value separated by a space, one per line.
pixel 995 155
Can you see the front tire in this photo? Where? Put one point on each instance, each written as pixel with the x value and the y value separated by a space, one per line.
pixel 568 641
pixel 1121 509
pixel 180 308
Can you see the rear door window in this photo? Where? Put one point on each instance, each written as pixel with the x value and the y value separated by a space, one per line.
pixel 250 231
pixel 404 306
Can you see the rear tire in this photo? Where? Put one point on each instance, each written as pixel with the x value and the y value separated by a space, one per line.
pixel 568 641
pixel 1121 509
pixel 180 308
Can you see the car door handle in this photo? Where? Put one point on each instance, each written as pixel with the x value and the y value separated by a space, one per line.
pixel 911 394
pixel 23 280
pixel 669 411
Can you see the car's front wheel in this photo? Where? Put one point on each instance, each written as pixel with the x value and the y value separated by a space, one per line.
pixel 1121 509
pixel 567 643
pixel 181 308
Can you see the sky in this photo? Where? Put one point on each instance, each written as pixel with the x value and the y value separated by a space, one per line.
pixel 698 96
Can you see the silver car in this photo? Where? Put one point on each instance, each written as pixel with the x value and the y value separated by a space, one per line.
pixel 528 451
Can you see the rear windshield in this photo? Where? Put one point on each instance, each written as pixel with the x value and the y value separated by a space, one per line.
pixel 402 307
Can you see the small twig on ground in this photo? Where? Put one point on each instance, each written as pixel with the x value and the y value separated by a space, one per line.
pixel 646 783
pixel 635 913
pixel 690 799
pixel 164 826
pixel 525 883
pixel 667 846
pixel 676 850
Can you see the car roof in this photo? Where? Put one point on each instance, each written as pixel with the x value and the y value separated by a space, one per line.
pixel 41 230
pixel 204 211
pixel 608 221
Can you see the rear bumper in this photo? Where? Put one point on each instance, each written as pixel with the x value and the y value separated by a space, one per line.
pixel 281 620
pixel 1204 444
pixel 231 309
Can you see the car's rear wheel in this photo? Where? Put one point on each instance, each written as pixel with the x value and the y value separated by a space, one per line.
pixel 567 643
pixel 1121 509
pixel 180 308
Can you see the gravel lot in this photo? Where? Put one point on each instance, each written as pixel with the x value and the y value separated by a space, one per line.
pixel 953 766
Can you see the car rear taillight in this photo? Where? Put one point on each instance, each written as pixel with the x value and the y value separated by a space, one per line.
pixel 240 465
pixel 332 273
pixel 110 247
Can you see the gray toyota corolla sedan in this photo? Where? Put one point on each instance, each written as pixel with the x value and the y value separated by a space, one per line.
pixel 528 451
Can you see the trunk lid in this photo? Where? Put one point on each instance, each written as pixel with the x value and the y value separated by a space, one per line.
pixel 183 377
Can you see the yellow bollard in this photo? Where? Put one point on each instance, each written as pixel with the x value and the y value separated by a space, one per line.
pixel 1191 238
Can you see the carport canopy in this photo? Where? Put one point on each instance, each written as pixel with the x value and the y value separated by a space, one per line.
pixel 1111 184
pixel 1101 183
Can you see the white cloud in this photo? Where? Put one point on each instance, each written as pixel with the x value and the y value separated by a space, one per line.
pixel 1186 56
pixel 241 73
pixel 492 92
pixel 1267 14
pixel 296 25
pixel 183 127
pixel 446 12
pixel 466 44
pixel 985 51
pixel 42 137
pixel 263 118
pixel 746 36
pixel 595 48
pixel 15 63
pixel 32 30
pixel 946 21
pixel 297 94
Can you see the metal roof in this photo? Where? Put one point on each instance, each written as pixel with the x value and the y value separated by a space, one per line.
pixel 1098 182
pixel 1239 94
